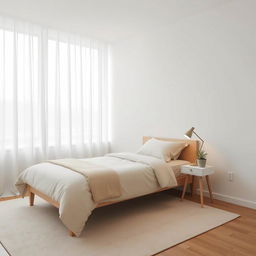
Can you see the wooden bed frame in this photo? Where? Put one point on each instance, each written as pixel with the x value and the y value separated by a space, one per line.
pixel 188 154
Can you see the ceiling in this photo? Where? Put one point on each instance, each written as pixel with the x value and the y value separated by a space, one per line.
pixel 109 20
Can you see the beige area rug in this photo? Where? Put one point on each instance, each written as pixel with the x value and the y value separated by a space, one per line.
pixel 138 227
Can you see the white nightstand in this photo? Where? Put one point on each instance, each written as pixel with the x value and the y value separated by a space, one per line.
pixel 199 172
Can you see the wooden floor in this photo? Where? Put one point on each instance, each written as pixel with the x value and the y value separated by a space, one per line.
pixel 236 238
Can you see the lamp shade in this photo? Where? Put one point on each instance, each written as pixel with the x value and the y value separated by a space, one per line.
pixel 189 133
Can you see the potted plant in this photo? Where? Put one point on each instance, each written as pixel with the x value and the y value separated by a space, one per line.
pixel 201 158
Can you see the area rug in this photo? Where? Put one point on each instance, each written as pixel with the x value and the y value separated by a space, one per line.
pixel 139 227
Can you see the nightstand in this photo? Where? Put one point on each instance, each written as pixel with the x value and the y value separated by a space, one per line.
pixel 199 172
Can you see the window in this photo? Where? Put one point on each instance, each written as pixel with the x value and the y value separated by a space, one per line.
pixel 53 95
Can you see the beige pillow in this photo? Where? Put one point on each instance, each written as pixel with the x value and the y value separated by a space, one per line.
pixel 164 150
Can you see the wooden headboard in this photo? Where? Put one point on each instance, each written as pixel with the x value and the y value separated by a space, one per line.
pixel 188 154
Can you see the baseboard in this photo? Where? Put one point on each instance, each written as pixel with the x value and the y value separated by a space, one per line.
pixel 231 199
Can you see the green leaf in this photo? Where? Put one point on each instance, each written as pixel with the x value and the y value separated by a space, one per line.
pixel 201 154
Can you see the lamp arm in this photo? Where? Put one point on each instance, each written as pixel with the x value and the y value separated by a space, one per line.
pixel 202 141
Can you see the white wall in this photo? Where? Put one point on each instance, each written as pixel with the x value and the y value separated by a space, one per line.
pixel 198 72
pixel 106 20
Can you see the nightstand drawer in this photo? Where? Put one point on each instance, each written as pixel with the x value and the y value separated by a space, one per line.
pixel 196 170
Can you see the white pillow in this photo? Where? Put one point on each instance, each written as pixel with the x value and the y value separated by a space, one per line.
pixel 164 150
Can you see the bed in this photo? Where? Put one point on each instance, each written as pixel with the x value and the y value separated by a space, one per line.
pixel 69 191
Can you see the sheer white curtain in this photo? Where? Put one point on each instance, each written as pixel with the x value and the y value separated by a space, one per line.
pixel 53 97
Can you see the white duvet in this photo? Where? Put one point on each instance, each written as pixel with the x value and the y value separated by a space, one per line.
pixel 139 175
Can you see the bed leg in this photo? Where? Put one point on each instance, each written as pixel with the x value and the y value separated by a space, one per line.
pixel 31 198
pixel 71 233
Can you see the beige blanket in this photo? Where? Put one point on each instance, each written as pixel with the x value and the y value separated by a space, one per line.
pixel 103 182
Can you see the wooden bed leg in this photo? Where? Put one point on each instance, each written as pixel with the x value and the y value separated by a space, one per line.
pixel 31 198
pixel 71 233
